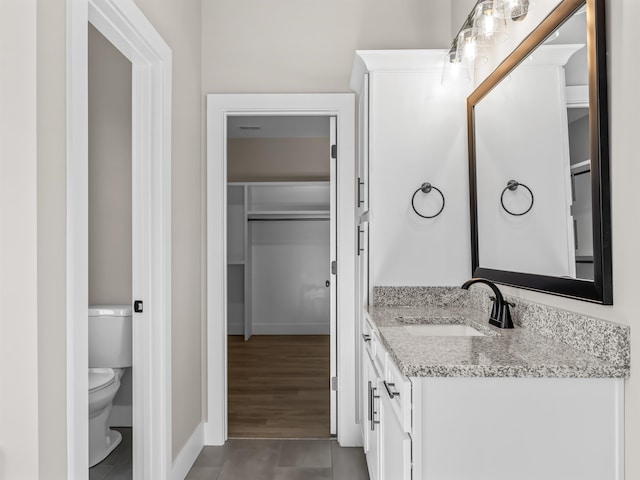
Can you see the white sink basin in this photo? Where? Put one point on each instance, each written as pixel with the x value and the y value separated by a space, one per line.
pixel 440 330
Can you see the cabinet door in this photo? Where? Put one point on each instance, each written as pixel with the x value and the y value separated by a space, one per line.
pixel 395 444
pixel 372 428
pixel 362 299
pixel 363 148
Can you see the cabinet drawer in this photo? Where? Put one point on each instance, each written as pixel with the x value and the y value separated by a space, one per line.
pixel 379 353
pixel 398 388
pixel 367 338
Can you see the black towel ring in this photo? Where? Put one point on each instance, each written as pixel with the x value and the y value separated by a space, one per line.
pixel 426 188
pixel 512 186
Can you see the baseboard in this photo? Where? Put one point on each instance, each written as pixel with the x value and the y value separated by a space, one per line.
pixel 290 329
pixel 188 455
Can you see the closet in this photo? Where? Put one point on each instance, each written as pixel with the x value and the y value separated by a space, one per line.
pixel 279 295
pixel 278 258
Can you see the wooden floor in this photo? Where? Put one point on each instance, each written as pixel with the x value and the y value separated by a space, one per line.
pixel 279 386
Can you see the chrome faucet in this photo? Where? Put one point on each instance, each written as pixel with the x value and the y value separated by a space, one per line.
pixel 500 313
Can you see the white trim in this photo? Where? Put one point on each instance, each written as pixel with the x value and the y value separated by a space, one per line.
pixel 125 26
pixel 218 108
pixel 77 240
pixel 366 61
pixel 188 455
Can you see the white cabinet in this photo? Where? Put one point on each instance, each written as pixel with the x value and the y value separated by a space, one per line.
pixel 372 408
pixel 362 297
pixel 395 443
pixel 518 428
pixel 387 443
pixel 412 130
pixel 363 148
pixel 458 428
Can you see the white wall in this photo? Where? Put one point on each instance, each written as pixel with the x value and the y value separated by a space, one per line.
pixel 52 258
pixel 289 267
pixel 277 159
pixel 19 449
pixel 109 173
pixel 300 46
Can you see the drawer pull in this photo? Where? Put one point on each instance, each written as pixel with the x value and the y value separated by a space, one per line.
pixel 388 386
pixel 366 338
pixel 372 407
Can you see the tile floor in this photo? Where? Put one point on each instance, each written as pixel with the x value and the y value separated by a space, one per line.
pixel 116 466
pixel 248 459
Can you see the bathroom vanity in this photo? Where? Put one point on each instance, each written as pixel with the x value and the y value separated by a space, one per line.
pixel 448 396
pixel 443 394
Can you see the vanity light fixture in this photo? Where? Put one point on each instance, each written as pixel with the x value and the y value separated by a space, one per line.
pixel 515 10
pixel 485 25
pixel 456 69
pixel 490 26
pixel 467 46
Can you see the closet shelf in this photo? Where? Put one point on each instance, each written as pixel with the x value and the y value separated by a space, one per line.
pixel 235 262
pixel 289 215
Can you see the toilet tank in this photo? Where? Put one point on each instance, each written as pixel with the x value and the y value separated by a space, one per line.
pixel 110 336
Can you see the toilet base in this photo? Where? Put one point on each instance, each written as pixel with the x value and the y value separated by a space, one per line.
pixel 112 440
pixel 102 440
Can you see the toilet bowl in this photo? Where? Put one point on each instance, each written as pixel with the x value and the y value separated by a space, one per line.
pixel 103 386
pixel 110 353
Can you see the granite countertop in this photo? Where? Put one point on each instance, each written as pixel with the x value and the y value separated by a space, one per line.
pixel 517 352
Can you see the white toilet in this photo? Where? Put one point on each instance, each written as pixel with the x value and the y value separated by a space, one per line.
pixel 110 353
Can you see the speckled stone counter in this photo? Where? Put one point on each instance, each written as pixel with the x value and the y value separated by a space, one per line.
pixel 601 348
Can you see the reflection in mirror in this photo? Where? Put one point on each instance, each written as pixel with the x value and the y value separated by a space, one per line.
pixel 532 153
pixel 528 130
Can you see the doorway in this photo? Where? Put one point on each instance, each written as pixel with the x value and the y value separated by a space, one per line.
pixel 281 294
pixel 219 109
pixel 110 233
pixel 123 25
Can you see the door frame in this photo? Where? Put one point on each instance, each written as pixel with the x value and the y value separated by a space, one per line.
pixel 219 107
pixel 126 27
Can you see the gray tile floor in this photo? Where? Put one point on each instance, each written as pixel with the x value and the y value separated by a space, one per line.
pixel 116 466
pixel 248 459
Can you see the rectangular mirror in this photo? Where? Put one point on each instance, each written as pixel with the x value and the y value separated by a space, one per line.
pixel 539 161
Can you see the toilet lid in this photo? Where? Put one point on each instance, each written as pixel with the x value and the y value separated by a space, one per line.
pixel 100 378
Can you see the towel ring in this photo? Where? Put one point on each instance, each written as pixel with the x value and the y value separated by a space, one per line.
pixel 512 186
pixel 426 188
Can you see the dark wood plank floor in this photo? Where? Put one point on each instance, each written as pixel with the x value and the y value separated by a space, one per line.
pixel 279 386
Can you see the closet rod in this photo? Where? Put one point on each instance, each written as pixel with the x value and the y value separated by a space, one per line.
pixel 310 219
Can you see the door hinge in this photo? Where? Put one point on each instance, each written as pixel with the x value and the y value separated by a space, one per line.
pixel 334 267
pixel 334 384
pixel 334 151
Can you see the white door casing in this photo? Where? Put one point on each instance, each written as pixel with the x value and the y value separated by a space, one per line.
pixel 125 26
pixel 333 140
pixel 219 107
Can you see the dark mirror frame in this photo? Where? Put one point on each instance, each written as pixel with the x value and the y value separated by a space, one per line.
pixel 601 289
